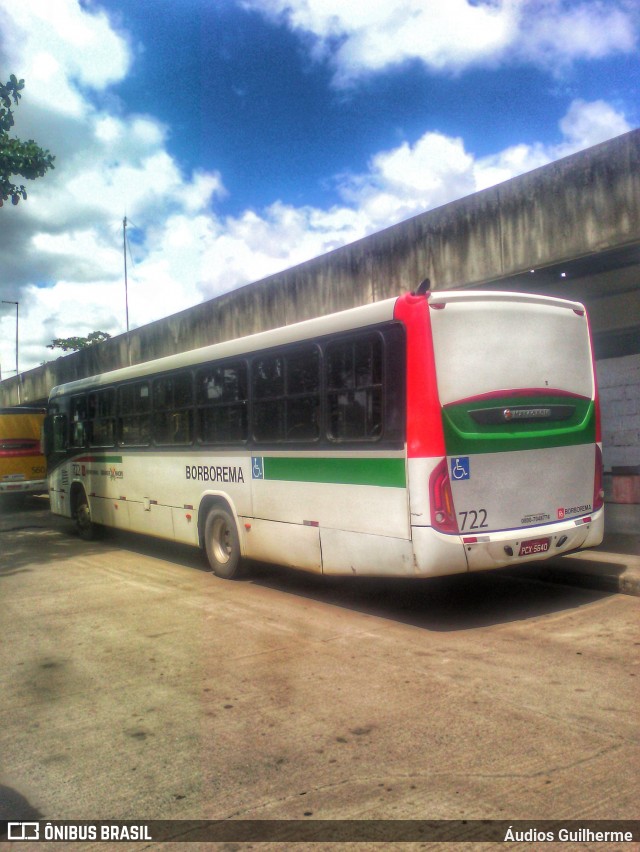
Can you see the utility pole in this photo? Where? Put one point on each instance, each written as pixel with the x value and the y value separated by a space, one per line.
pixel 4 302
pixel 126 283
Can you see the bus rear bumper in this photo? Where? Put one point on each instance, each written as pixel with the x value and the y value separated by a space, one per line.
pixel 438 554
pixel 500 549
pixel 24 486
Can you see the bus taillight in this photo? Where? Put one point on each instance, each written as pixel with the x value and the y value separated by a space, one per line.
pixel 443 516
pixel 598 486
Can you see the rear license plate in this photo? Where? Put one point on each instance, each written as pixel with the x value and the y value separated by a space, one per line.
pixel 534 545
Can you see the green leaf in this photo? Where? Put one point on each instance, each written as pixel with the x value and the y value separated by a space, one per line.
pixel 26 159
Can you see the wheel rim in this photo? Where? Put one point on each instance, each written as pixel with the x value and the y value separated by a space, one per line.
pixel 84 517
pixel 221 541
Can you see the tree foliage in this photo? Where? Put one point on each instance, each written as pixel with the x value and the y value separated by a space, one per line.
pixel 26 159
pixel 72 344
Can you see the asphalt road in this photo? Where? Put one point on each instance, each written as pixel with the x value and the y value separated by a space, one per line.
pixel 136 685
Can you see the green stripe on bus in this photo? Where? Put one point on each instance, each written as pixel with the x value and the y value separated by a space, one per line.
pixel 385 472
pixel 464 436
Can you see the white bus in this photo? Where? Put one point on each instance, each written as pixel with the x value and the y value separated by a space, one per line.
pixel 429 434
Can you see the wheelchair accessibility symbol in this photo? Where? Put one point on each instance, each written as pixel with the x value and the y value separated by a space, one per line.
pixel 257 467
pixel 460 468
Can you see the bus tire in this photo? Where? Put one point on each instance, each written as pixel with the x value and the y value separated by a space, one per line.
pixel 222 543
pixel 84 525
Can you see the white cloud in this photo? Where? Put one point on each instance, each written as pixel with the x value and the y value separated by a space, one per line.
pixel 586 30
pixel 57 43
pixel 411 178
pixel 192 254
pixel 364 36
pixel 585 124
pixel 202 189
pixel 399 183
pixel 61 252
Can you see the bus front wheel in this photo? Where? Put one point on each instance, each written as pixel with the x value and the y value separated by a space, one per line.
pixel 84 524
pixel 222 543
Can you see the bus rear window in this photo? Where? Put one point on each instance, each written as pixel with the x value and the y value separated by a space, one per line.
pixel 484 347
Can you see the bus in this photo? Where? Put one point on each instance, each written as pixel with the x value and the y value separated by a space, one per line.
pixel 432 433
pixel 22 465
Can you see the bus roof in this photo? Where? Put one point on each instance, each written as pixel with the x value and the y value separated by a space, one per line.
pixel 353 318
pixel 359 317
pixel 442 297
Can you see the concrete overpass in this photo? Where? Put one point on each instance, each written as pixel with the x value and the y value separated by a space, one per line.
pixel 571 228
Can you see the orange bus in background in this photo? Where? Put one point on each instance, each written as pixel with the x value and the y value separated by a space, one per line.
pixel 23 468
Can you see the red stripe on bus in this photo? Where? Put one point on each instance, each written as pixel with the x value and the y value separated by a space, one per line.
pixel 13 454
pixel 500 394
pixel 594 372
pixel 425 435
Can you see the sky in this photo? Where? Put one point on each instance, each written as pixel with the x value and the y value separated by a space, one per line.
pixel 242 137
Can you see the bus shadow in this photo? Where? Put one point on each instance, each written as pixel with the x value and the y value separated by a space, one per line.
pixel 457 602
pixel 453 603
pixel 26 546
pixel 29 533
pixel 169 551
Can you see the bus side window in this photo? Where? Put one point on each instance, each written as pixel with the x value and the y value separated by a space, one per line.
pixel 303 394
pixel 354 389
pixel 78 410
pixel 221 400
pixel 172 408
pixel 60 433
pixel 102 405
pixel 286 396
pixel 134 406
pixel 395 378
pixel 267 376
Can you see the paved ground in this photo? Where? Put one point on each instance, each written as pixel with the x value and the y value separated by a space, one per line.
pixel 614 566
pixel 135 685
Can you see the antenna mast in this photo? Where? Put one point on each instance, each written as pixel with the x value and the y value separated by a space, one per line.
pixel 126 283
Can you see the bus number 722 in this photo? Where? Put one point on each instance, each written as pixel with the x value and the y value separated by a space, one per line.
pixel 476 520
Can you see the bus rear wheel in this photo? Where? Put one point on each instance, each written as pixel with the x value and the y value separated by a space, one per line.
pixel 222 543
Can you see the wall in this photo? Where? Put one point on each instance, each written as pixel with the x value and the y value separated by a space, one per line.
pixel 619 383
pixel 577 207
